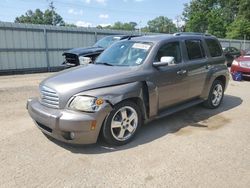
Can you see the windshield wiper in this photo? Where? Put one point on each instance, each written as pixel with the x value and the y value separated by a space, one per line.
pixel 104 63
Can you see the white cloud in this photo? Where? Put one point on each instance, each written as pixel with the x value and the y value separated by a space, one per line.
pixel 105 24
pixel 75 12
pixel 104 2
pixel 104 16
pixel 84 24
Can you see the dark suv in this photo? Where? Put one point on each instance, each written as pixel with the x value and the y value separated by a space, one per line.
pixel 80 56
pixel 131 82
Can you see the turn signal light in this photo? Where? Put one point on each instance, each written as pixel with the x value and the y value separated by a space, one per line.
pixel 93 125
pixel 99 102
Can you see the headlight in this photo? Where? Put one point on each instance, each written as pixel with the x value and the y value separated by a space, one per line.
pixel 84 60
pixel 235 63
pixel 86 103
pixel 245 64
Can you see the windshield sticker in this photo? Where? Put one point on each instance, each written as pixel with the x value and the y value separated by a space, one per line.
pixel 138 61
pixel 141 46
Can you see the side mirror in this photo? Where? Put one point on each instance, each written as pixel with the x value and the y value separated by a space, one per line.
pixel 84 60
pixel 165 61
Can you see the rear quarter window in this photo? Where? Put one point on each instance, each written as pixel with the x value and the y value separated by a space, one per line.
pixel 214 47
pixel 194 49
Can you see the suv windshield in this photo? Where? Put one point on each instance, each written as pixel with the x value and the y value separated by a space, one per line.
pixel 125 53
pixel 106 41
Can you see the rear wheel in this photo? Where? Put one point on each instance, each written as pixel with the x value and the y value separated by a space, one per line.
pixel 216 95
pixel 122 123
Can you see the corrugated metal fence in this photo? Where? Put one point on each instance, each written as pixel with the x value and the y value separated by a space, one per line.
pixel 29 48
pixel 32 48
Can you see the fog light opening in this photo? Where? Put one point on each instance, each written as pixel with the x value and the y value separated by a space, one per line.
pixel 72 135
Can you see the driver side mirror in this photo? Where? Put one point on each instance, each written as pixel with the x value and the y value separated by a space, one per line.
pixel 165 61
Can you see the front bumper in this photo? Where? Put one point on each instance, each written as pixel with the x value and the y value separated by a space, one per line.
pixel 245 71
pixel 62 123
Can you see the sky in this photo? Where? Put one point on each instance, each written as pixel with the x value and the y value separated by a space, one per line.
pixel 90 13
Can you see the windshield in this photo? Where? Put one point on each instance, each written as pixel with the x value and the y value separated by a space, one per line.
pixel 125 53
pixel 106 41
pixel 247 53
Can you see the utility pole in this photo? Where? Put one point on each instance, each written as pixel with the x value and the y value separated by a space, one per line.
pixel 245 41
pixel 178 21
pixel 52 8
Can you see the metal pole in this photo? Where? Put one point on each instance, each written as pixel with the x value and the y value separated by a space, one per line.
pixel 46 48
pixel 245 42
pixel 95 36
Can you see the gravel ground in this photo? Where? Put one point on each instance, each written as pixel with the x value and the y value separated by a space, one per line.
pixel 196 147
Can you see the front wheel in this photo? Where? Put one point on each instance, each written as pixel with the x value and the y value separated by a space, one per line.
pixel 215 95
pixel 122 123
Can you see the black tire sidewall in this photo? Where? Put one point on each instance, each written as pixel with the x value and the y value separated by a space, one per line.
pixel 209 101
pixel 106 129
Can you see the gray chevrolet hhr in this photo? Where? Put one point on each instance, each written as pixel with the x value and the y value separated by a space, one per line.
pixel 130 83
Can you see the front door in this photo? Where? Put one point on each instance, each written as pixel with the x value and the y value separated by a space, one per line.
pixel 170 79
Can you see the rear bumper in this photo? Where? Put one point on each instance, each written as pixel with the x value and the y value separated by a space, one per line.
pixel 61 123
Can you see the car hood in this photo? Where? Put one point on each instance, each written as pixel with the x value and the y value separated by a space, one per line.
pixel 83 51
pixel 75 80
pixel 243 58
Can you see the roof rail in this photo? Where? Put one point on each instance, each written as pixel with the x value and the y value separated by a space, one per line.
pixel 191 33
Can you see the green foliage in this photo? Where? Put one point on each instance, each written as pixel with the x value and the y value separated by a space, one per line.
pixel 160 24
pixel 222 18
pixel 48 17
pixel 130 26
pixel 239 28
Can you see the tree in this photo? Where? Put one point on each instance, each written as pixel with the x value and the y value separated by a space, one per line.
pixel 160 24
pixel 130 26
pixel 48 17
pixel 213 16
pixel 238 29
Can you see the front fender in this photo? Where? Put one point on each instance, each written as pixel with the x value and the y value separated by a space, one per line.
pixel 117 93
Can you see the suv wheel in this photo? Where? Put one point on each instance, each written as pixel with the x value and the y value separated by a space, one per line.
pixel 122 123
pixel 215 95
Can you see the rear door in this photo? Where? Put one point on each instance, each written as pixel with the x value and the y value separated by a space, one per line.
pixel 197 68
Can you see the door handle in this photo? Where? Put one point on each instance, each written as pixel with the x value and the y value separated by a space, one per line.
pixel 180 72
pixel 208 66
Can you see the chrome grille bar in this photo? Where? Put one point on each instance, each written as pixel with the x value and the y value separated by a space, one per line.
pixel 49 97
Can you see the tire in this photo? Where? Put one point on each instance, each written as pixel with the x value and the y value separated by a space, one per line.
pixel 122 124
pixel 216 95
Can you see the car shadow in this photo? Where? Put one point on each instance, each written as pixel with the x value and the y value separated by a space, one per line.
pixel 194 117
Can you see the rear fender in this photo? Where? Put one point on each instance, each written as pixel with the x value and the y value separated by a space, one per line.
pixel 212 75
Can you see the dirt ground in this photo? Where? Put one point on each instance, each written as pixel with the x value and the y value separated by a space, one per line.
pixel 196 147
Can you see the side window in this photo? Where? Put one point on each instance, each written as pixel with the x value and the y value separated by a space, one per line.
pixel 194 49
pixel 214 47
pixel 170 49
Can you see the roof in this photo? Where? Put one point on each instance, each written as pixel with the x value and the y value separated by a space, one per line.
pixel 161 37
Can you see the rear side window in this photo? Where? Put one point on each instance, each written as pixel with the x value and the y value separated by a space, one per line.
pixel 214 47
pixel 194 49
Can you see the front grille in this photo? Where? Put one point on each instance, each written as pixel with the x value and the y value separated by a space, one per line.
pixel 71 59
pixel 49 97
